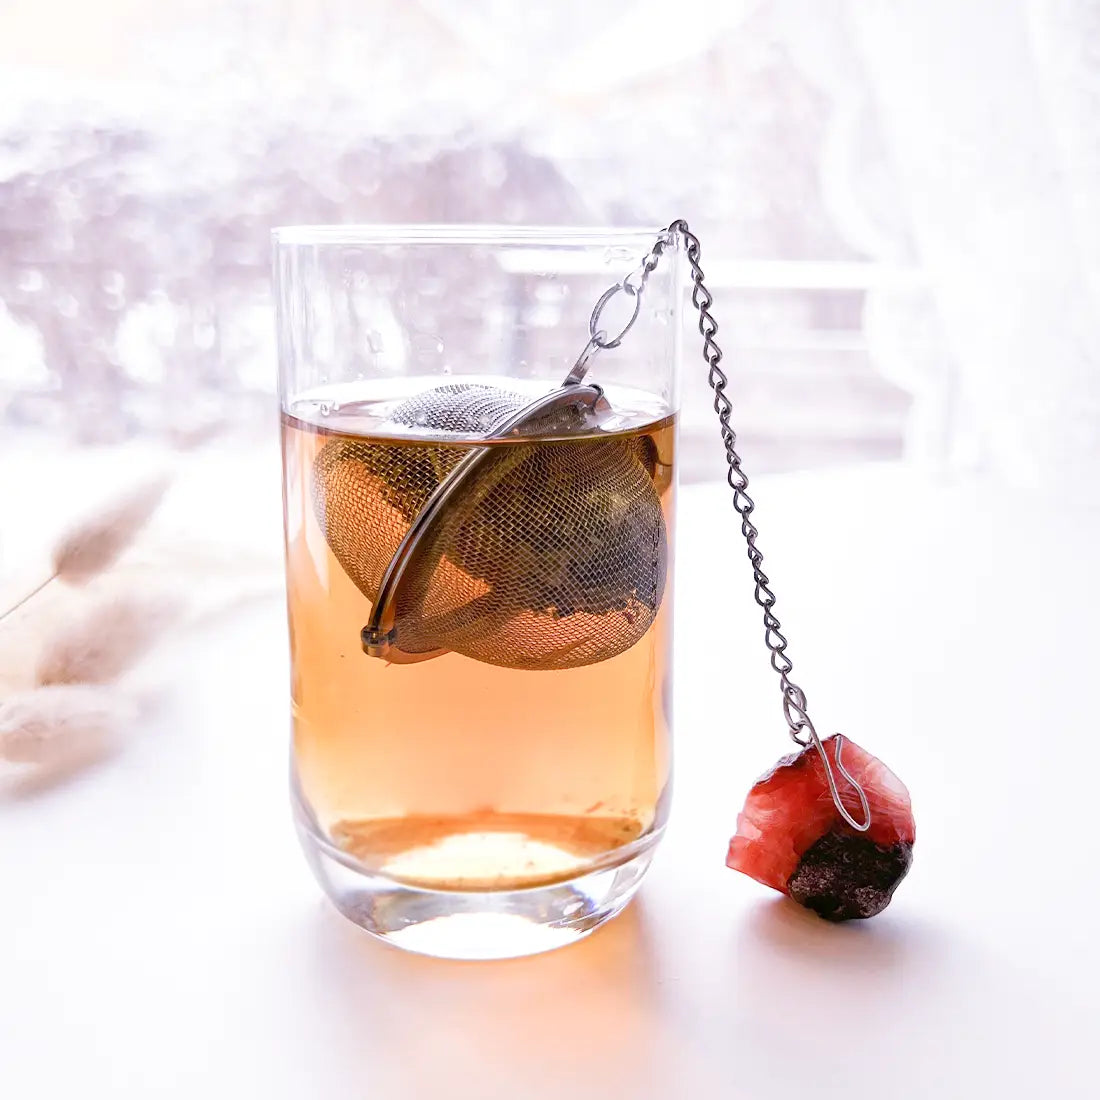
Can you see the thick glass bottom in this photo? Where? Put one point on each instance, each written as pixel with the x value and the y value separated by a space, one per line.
pixel 475 924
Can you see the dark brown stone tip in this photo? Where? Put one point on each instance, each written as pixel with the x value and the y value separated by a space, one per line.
pixel 845 876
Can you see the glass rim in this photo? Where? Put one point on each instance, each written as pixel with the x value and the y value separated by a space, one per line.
pixel 471 233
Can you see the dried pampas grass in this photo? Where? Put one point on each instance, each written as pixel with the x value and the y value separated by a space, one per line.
pixel 95 543
pixel 71 689
pixel 85 701
pixel 110 634
pixel 59 724
pixel 77 713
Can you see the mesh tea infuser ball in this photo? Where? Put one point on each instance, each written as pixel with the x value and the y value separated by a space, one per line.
pixel 531 556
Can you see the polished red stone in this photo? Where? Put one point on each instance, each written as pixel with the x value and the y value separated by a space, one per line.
pixel 791 837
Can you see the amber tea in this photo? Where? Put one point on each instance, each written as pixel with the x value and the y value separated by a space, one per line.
pixel 455 773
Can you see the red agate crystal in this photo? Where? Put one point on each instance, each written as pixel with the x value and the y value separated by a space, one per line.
pixel 791 837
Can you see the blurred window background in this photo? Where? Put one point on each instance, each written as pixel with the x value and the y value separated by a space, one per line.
pixel 905 254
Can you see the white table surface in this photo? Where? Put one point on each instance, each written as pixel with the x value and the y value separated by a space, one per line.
pixel 160 934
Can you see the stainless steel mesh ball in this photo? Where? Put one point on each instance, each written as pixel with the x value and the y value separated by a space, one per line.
pixel 553 556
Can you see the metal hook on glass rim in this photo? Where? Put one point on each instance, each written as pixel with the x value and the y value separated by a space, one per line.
pixel 800 726
pixel 598 339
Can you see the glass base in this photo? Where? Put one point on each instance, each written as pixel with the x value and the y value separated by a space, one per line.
pixel 483 924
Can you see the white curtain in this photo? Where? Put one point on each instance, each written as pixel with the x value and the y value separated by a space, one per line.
pixel 981 119
pixel 950 146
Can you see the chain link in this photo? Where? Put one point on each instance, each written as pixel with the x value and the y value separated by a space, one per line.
pixel 632 285
pixel 801 728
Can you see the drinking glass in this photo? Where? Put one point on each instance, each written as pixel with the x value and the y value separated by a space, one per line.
pixel 494 782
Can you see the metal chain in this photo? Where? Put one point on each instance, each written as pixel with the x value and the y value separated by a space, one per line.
pixel 801 728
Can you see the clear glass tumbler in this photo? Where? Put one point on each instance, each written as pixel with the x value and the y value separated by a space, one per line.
pixel 484 771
